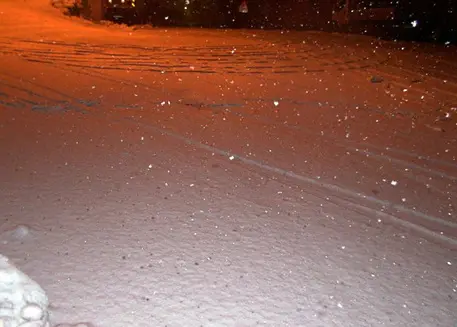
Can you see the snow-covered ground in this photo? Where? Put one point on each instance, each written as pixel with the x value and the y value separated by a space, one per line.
pixel 154 177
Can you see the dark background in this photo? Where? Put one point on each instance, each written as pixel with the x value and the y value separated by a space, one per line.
pixel 225 13
pixel 437 19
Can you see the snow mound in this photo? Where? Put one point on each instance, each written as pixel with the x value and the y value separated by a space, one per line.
pixel 30 3
pixel 42 6
pixel 65 5
pixel 23 303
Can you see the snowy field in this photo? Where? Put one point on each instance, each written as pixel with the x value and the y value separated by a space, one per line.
pixel 154 177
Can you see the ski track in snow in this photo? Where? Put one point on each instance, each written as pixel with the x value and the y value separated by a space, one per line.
pixel 162 202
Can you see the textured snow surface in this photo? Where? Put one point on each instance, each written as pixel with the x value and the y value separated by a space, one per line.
pixel 227 178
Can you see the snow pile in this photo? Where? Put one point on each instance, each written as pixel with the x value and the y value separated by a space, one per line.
pixel 66 6
pixel 23 303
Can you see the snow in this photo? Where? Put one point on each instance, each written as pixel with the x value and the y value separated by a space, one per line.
pixel 155 177
pixel 23 302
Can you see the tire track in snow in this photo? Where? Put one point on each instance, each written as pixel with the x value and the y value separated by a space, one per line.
pixel 246 59
pixel 351 192
pixel 48 100
pixel 344 195
pixel 370 149
pixel 385 203
pixel 390 158
pixel 355 146
pixel 326 59
pixel 385 161
pixel 433 177
pixel 419 86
